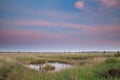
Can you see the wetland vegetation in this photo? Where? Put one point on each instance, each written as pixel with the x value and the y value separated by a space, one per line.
pixel 86 66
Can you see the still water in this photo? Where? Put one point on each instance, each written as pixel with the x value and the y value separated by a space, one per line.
pixel 58 66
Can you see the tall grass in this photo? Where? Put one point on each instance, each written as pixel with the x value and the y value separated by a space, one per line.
pixel 10 70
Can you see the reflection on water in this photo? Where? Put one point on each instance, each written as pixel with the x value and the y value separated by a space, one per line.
pixel 58 66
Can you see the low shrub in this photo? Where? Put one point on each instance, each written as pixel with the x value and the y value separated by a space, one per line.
pixel 48 67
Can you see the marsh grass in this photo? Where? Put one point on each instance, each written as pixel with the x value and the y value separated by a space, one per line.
pixel 117 54
pixel 95 65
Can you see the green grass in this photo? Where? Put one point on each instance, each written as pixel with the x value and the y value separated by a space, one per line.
pixel 11 69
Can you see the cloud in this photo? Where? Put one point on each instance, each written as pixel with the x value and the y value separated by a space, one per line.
pixel 86 34
pixel 27 36
pixel 111 3
pixel 41 23
pixel 43 38
pixel 79 4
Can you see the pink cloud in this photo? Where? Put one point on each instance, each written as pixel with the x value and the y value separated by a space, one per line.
pixel 27 36
pixel 96 36
pixel 43 23
pixel 29 33
pixel 111 3
pixel 11 36
pixel 79 4
pixel 102 41
pixel 104 32
pixel 60 25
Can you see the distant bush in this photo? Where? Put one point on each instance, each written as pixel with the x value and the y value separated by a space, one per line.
pixel 104 51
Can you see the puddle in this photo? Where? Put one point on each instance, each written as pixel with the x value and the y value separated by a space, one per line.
pixel 58 66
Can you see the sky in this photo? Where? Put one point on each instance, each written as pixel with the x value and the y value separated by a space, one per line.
pixel 59 25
